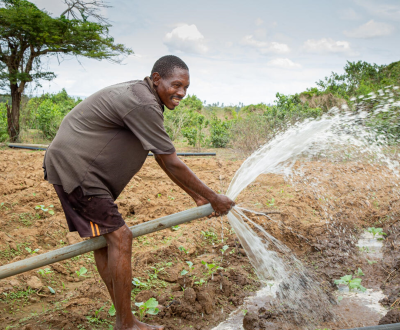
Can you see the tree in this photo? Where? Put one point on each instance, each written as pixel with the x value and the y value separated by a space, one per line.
pixel 27 34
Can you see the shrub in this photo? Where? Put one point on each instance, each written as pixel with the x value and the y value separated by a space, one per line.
pixel 219 132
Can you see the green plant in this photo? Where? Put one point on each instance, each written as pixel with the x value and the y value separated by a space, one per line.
pixel 224 248
pixel 359 272
pixel 191 267
pixel 182 249
pixel 371 262
pixel 375 231
pixel 42 208
pixel 175 228
pixel 352 283
pixel 81 272
pixel 31 251
pixel 156 271
pixel 211 268
pixel 44 272
pixel 210 236
pixel 112 310
pixel 148 307
pixel 271 202
pixel 200 282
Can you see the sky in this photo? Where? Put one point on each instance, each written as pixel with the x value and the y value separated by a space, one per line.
pixel 237 51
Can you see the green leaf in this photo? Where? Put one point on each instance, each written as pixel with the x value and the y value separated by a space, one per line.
pixel 189 263
pixel 153 311
pixel 112 310
pixel 184 272
pixel 51 290
pixel 139 304
pixel 151 303
pixel 82 271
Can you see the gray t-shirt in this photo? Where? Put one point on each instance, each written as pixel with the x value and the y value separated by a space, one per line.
pixel 104 141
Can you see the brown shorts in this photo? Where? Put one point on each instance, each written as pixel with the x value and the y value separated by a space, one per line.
pixel 90 216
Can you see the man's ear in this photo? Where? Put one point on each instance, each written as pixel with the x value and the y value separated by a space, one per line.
pixel 156 78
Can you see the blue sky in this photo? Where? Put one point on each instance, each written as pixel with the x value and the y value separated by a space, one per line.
pixel 238 51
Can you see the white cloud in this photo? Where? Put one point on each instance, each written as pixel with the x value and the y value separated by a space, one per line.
pixel 327 45
pixel 186 38
pixel 283 63
pixel 259 22
pixel 265 47
pixel 370 29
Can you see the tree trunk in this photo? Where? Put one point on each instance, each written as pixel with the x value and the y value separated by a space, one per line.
pixel 13 113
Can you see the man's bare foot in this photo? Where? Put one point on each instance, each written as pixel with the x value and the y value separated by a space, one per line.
pixel 144 326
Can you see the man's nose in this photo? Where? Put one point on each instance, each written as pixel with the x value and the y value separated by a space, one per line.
pixel 181 92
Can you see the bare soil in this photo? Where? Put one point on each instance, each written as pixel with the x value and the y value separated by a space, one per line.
pixel 319 216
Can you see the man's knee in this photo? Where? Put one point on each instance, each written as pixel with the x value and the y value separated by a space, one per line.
pixel 122 237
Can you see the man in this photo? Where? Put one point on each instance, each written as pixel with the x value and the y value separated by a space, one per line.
pixel 101 144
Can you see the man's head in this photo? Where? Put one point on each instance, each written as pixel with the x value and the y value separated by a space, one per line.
pixel 171 79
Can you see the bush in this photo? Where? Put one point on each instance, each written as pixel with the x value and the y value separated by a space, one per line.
pixel 48 118
pixel 3 122
pixel 194 131
pixel 219 132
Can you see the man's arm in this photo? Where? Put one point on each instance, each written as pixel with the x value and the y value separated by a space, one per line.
pixel 187 180
pixel 199 200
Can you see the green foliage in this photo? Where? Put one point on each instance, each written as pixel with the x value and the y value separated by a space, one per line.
pixel 81 272
pixel 375 231
pixel 352 283
pixel 112 310
pixel 3 122
pixel 219 132
pixel 148 307
pixel 194 131
pixel 47 111
pixel 44 209
pixel 211 268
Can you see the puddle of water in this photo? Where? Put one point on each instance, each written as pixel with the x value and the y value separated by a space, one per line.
pixel 365 303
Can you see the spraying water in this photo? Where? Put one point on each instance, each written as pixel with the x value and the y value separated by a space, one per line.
pixel 299 299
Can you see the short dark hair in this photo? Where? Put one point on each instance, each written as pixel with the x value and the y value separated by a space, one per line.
pixel 166 65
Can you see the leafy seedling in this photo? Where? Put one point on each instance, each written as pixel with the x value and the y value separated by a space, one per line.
pixel 44 272
pixel 136 282
pixel 375 231
pixel 200 282
pixel 42 208
pixel 51 290
pixel 191 267
pixel 175 228
pixel 371 262
pixel 352 283
pixel 148 307
pixel 359 272
pixel 81 272
pixel 224 248
pixel 211 268
pixel 112 310
pixel 182 249
pixel 156 271
pixel 270 284
pixel 31 251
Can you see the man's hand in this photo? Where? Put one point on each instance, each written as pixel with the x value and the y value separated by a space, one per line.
pixel 222 205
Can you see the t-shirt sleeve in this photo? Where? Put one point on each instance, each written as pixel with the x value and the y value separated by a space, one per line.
pixel 147 123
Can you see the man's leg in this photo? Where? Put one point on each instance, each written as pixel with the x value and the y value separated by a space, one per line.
pixel 116 271
pixel 101 257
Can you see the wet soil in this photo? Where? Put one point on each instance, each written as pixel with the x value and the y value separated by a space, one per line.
pixel 319 214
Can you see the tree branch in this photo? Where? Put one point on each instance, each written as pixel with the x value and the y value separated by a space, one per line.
pixel 83 9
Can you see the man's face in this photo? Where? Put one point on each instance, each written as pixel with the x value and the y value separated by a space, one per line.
pixel 172 89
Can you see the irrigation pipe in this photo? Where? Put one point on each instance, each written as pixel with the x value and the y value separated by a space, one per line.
pixel 44 147
pixel 97 243
pixel 394 326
